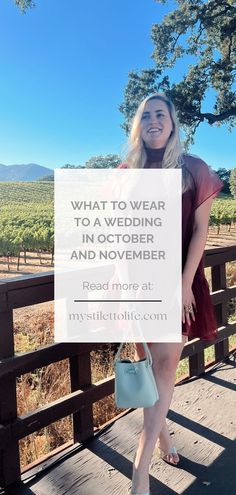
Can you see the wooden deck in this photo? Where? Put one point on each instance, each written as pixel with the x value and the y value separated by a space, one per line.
pixel 202 422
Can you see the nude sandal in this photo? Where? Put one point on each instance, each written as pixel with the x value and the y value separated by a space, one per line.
pixel 170 453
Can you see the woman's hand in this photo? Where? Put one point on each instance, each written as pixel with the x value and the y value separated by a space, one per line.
pixel 188 303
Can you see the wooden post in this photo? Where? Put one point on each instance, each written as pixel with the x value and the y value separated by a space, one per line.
pixel 80 373
pixel 9 454
pixel 219 282
pixel 197 364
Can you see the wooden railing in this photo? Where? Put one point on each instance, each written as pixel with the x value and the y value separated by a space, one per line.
pixel 40 288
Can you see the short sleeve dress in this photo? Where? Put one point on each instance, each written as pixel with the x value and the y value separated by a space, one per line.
pixel 205 183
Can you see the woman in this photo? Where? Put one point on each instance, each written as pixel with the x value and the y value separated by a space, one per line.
pixel 154 143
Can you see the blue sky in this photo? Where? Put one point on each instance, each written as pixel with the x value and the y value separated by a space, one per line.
pixel 64 67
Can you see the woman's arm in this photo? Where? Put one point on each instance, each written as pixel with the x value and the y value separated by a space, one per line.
pixel 195 252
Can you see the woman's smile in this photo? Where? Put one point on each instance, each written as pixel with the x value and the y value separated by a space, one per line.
pixel 154 130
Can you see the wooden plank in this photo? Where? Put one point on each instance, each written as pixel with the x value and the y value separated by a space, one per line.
pixel 6 334
pixel 16 286
pixel 5 435
pixel 218 275
pixel 221 310
pixel 33 466
pixel 10 464
pixel 210 251
pixel 197 364
pixel 196 345
pixel 3 300
pixel 222 350
pixel 35 420
pixel 223 295
pixel 9 456
pixel 80 374
pixel 29 361
pixel 28 296
pixel 32 280
pixel 218 256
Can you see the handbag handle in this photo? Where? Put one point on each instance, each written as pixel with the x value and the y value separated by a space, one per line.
pixel 146 348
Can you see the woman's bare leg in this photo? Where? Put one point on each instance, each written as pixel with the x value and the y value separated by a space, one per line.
pixel 165 444
pixel 165 361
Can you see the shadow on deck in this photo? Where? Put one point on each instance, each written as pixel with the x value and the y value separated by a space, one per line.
pixel 202 424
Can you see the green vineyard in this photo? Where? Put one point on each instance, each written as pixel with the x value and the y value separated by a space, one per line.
pixel 223 212
pixel 27 217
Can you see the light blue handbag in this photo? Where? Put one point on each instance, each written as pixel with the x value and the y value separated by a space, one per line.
pixel 135 385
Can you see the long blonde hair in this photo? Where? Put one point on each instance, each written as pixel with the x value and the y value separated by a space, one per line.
pixel 173 157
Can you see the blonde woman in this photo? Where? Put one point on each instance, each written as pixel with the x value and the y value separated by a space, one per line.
pixel 154 143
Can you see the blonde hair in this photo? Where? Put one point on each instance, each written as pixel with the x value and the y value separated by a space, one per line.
pixel 173 157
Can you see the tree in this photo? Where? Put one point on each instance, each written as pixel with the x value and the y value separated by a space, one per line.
pixel 46 178
pixel 224 175
pixel 72 166
pixel 232 182
pixel 24 4
pixel 205 31
pixel 107 161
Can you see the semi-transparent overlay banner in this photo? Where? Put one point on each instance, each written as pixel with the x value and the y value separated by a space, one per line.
pixel 118 256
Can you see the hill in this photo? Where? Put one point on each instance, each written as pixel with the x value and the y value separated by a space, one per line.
pixel 23 173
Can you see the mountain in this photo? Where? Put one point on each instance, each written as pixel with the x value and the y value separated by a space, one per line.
pixel 23 173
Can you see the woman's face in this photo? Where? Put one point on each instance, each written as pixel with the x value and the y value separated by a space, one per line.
pixel 156 124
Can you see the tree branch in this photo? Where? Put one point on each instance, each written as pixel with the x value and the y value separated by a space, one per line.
pixel 211 117
pixel 210 17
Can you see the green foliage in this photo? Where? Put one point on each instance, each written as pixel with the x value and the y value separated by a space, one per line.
pixel 50 178
pixel 204 31
pixel 223 212
pixel 26 217
pixel 232 182
pixel 224 175
pixel 72 166
pixel 24 4
pixel 25 192
pixel 46 178
pixel 138 87
pixel 107 161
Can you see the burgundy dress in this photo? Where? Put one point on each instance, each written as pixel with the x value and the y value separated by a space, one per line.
pixel 205 183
